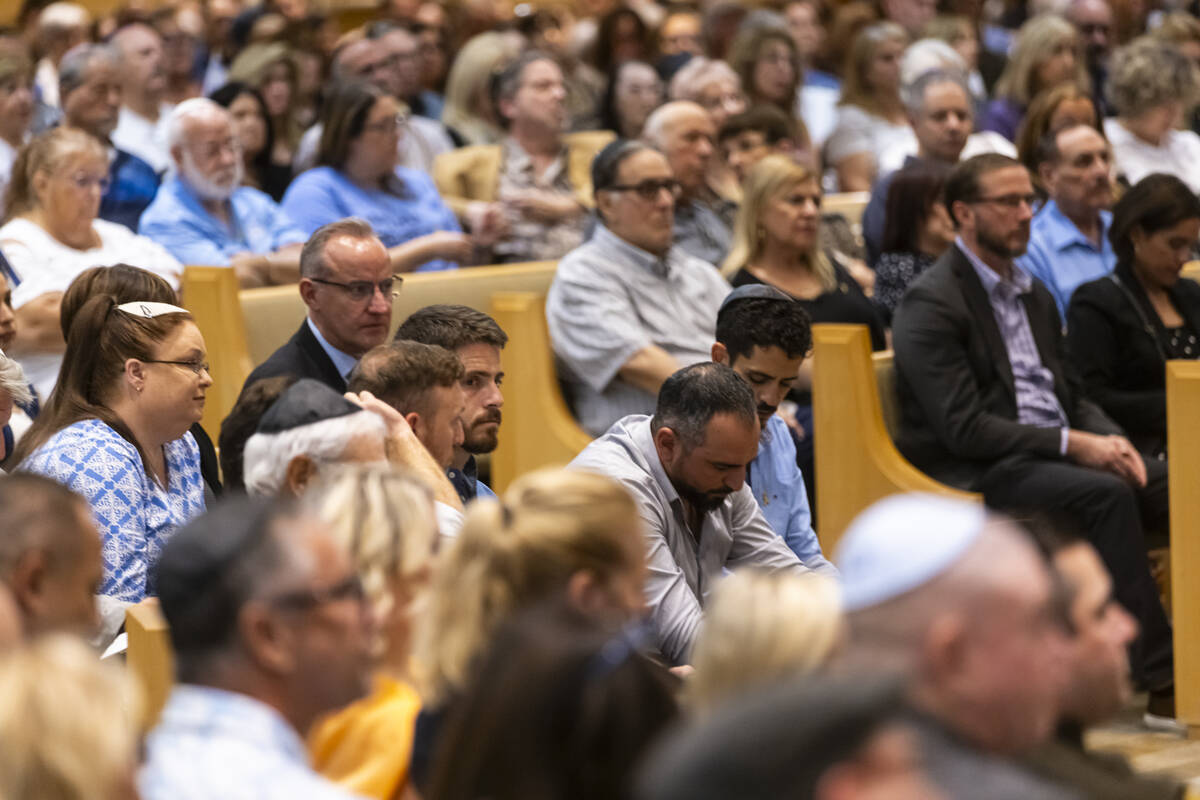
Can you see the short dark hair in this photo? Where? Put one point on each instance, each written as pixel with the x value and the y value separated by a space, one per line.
pixel 691 397
pixel 312 255
pixel 210 569
pixel 963 183
pixel 451 327
pixel 764 322
pixel 1154 203
pixel 1052 533
pixel 768 120
pixel 607 162
pixel 241 424
pixel 911 196
pixel 35 512
pixel 505 82
pixel 1046 151
pixel 402 373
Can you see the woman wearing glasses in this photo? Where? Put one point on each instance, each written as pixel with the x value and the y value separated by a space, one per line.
pixel 358 176
pixel 116 432
pixel 51 234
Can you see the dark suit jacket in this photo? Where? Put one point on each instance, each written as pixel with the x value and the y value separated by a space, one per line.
pixel 302 357
pixel 1117 342
pixel 955 382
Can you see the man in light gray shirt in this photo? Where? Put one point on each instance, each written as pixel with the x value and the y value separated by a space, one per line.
pixel 686 469
pixel 627 309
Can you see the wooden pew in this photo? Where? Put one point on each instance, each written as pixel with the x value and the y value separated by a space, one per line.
pixel 849 204
pixel 211 294
pixel 1183 443
pixel 856 461
pixel 149 657
pixel 538 430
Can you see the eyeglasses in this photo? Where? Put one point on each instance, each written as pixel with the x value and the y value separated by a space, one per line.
pixel 350 588
pixel 195 366
pixel 1010 201
pixel 648 189
pixel 83 182
pixel 365 290
pixel 388 125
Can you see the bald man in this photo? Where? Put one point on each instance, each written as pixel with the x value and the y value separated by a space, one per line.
pixel 685 133
pixel 142 123
pixel 960 602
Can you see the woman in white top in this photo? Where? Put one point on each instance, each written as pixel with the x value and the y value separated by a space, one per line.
pixel 871 116
pixel 1151 84
pixel 51 234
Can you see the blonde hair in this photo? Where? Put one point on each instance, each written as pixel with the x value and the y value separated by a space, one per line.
pixel 856 91
pixel 761 627
pixel 1036 41
pixel 514 552
pixel 769 179
pixel 47 153
pixel 468 106
pixel 67 721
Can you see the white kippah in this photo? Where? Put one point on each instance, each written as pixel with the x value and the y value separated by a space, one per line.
pixel 149 310
pixel 902 542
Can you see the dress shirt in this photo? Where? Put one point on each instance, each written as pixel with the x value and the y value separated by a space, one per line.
pixel 684 566
pixel 1037 404
pixel 344 362
pixel 528 238
pixel 423 141
pixel 1062 258
pixel 609 300
pixel 179 222
pixel 466 482
pixel 779 491
pixel 145 138
pixel 411 207
pixel 704 229
pixel 211 743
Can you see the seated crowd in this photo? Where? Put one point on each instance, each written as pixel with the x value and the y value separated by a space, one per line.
pixel 352 610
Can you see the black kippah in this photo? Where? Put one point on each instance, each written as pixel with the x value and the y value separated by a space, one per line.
pixel 303 403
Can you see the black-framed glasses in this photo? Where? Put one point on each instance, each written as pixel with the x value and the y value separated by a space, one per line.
pixel 648 189
pixel 195 366
pixel 365 290
pixel 1012 201
pixel 349 588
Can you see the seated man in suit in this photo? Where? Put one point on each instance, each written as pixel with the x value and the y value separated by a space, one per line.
pixel 989 403
pixel 347 283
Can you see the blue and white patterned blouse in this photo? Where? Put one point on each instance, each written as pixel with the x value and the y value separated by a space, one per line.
pixel 134 514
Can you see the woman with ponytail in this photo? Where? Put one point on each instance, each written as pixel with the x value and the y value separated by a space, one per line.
pixel 115 431
pixel 563 534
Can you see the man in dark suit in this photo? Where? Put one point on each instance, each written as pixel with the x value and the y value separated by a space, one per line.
pixel 347 283
pixel 990 404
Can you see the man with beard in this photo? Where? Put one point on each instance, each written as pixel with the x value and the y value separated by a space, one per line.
pixel 477 341
pixel 685 467
pixel 1068 239
pixel 141 126
pixel 764 336
pixel 204 216
pixel 990 403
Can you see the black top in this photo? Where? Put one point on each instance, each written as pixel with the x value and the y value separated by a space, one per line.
pixel 893 273
pixel 302 357
pixel 1120 348
pixel 209 470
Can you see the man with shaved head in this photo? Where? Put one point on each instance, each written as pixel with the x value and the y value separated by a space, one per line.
pixel 685 133
pixel 961 604
pixel 204 215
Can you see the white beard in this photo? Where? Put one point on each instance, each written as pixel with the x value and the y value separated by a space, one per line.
pixel 203 186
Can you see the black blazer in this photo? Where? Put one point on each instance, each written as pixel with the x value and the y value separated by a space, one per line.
pixel 955 383
pixel 1119 345
pixel 303 357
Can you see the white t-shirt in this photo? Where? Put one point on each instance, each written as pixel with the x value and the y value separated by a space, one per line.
pixel 894 157
pixel 859 131
pixel 43 264
pixel 1178 155
pixel 145 139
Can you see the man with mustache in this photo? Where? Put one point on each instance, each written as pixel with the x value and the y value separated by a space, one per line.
pixel 204 215
pixel 990 403
pixel 685 467
pixel 477 340
pixel 764 336
pixel 1068 239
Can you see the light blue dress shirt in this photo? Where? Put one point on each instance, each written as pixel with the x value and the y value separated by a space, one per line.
pixel 412 208
pixel 343 362
pixel 1062 258
pixel 211 744
pixel 779 491
pixel 178 222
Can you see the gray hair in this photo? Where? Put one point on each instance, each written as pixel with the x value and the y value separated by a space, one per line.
pixel 74 67
pixel 312 256
pixel 1147 73
pixel 267 455
pixel 697 73
pixel 913 94
pixel 655 127
pixel 191 108
pixel 926 55
pixel 13 381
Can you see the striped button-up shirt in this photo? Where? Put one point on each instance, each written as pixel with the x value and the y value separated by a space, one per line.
pixel 610 299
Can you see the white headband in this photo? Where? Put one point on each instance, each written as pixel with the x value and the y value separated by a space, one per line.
pixel 148 310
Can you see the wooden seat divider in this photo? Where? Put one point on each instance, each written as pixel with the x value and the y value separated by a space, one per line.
pixel 1183 443
pixel 211 294
pixel 149 657
pixel 857 462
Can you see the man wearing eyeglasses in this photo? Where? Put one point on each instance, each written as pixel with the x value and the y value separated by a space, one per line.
pixel 346 282
pixel 990 403
pixel 628 308
pixel 203 214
